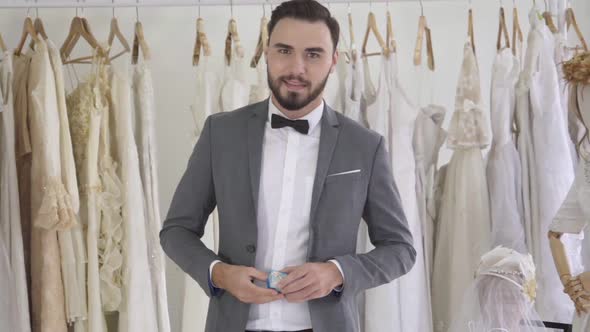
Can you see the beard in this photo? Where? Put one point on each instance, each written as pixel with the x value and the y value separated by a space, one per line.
pixel 294 101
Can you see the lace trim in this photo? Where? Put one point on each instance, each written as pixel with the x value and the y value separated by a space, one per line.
pixel 56 212
pixel 111 233
pixel 467 129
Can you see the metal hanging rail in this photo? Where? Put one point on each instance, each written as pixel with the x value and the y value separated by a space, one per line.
pixel 165 3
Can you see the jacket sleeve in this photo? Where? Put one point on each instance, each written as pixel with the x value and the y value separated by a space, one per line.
pixel 394 254
pixel 192 203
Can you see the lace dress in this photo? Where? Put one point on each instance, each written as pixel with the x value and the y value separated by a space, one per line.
pixel 137 312
pixel 86 109
pixel 503 167
pixel 463 234
pixel 14 304
pixel 143 92
pixel 552 166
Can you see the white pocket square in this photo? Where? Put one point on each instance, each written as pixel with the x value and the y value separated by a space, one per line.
pixel 347 172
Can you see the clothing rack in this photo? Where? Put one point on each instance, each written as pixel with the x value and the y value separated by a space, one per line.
pixel 170 3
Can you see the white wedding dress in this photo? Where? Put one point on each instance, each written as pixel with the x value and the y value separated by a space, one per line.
pixel 143 93
pixel 334 92
pixel 503 167
pixel 551 166
pixel 138 309
pixel 413 301
pixel 463 234
pixel 574 214
pixel 235 89
pixel 259 91
pixel 196 301
pixel 429 136
pixel 14 304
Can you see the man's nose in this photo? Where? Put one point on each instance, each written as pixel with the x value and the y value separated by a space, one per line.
pixel 297 65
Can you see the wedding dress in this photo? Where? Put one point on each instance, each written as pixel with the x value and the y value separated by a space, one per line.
pixel 503 167
pixel 235 89
pixel 464 228
pixel 14 298
pixel 145 112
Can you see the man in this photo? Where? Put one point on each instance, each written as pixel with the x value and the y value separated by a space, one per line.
pixel 291 179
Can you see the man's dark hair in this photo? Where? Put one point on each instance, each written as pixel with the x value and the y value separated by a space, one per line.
pixel 307 10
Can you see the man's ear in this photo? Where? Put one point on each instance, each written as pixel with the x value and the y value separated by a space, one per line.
pixel 334 61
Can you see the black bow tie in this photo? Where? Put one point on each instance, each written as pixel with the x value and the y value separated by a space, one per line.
pixel 278 121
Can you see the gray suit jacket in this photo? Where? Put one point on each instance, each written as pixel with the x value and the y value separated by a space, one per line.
pixel 224 171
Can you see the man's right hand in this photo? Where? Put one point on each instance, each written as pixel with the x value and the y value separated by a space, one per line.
pixel 239 281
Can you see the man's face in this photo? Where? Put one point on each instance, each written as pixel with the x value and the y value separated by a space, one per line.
pixel 300 58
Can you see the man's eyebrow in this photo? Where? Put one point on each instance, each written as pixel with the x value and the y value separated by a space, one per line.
pixel 310 49
pixel 281 45
pixel 315 49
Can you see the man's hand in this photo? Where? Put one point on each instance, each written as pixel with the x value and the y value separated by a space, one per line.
pixel 239 281
pixel 310 281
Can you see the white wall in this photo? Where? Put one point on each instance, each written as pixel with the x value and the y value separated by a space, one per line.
pixel 170 32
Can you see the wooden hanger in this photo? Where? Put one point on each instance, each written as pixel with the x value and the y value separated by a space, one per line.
pixel 40 28
pixel 570 19
pixel 232 39
pixel 516 31
pixel 424 31
pixel 262 42
pixel 353 52
pixel 201 42
pixel 116 32
pixel 470 30
pixel 549 19
pixel 389 37
pixel 28 30
pixel 79 27
pixel 139 43
pixel 502 31
pixel 3 47
pixel 372 27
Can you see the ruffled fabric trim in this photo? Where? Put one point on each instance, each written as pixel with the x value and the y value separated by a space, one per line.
pixel 111 233
pixel 55 212
pixel 467 128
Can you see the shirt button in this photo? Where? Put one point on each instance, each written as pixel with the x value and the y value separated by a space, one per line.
pixel 251 248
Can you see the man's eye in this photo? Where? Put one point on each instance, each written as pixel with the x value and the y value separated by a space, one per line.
pixel 313 55
pixel 284 51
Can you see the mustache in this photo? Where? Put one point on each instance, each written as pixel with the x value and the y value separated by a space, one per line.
pixel 294 78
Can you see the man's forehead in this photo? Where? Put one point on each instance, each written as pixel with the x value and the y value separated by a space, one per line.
pixel 301 33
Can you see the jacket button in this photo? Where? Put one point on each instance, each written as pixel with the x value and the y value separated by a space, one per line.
pixel 251 248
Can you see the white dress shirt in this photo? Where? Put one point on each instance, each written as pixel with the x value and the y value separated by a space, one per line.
pixel 289 161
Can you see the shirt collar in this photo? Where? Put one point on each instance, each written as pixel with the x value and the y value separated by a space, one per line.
pixel 313 118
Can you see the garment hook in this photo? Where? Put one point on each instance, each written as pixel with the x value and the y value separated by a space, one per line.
pixel 137 10
pixel 263 10
pixel 231 8
pixel 113 8
pixel 36 8
pixel 421 8
pixel 199 8
pixel 77 2
pixel 349 10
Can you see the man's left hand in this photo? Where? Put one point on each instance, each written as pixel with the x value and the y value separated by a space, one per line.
pixel 310 281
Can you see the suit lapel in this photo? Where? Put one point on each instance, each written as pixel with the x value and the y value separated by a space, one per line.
pixel 328 139
pixel 256 124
